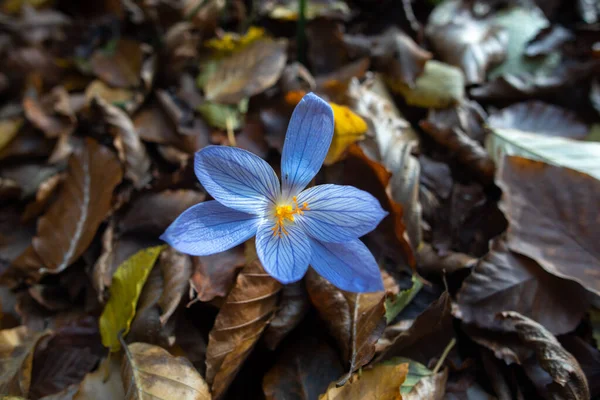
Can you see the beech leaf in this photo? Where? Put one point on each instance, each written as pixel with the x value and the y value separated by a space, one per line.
pixel 127 284
pixel 150 372
pixel 382 382
pixel 239 324
pixel 176 271
pixel 69 225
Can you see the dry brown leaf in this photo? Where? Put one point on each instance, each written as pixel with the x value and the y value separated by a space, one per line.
pixel 215 274
pixel 303 371
pixel 569 381
pixel 176 270
pixel 553 218
pixel 119 67
pixel 432 387
pixel 127 142
pixel 247 72
pixel 239 324
pixel 504 280
pixel 17 346
pixel 293 307
pixel 52 114
pixel 43 196
pixel 95 386
pixel 382 382
pixel 69 225
pixel 355 320
pixel 150 372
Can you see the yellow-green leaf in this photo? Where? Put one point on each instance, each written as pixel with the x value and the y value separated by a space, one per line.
pixel 439 86
pixel 127 284
pixel 349 127
pixel 224 116
pixel 8 130
pixel 395 304
pixel 231 41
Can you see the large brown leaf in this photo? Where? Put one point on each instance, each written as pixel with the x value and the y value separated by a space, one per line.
pixel 239 324
pixel 303 371
pixel 214 275
pixel 119 66
pixel 461 39
pixel 504 280
pixel 569 381
pixel 355 320
pixel 150 372
pixel 176 270
pixel 247 72
pixel 293 307
pixel 16 354
pixel 69 226
pixel 553 218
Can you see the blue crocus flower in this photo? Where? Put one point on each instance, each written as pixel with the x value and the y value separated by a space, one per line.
pixel 319 226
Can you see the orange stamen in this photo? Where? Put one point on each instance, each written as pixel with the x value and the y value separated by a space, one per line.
pixel 287 212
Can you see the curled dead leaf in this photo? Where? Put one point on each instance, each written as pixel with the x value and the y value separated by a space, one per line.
pixel 293 307
pixel 176 270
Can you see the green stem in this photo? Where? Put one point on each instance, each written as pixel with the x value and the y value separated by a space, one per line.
pixel 301 33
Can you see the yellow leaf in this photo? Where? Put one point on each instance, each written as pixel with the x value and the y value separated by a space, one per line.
pixel 8 130
pixel 231 41
pixel 349 128
pixel 382 382
pixel 127 284
pixel 151 372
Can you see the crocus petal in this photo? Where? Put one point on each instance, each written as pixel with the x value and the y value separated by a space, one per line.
pixel 306 143
pixel 339 213
pixel 284 257
pixel 349 266
pixel 209 228
pixel 237 178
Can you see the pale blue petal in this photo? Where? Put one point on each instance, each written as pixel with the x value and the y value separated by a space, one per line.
pixel 349 266
pixel 237 178
pixel 285 258
pixel 306 143
pixel 209 228
pixel 339 213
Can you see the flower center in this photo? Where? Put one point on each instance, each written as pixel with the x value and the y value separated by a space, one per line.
pixel 287 212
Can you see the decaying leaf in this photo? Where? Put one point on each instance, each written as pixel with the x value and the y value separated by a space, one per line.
pixel 472 44
pixel 432 387
pixel 348 128
pixel 70 223
pixel 127 141
pixel 127 284
pixel 247 72
pixel 382 382
pixel 239 324
pixel 16 353
pixel 552 218
pixel 176 270
pixel 396 303
pixel 569 381
pixel 293 306
pixel 504 280
pixel 8 130
pixel 303 371
pixel 150 372
pixel 355 320
pixel 119 65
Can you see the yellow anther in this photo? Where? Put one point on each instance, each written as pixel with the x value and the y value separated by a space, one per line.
pixel 287 212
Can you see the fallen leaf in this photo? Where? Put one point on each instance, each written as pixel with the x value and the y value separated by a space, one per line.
pixel 142 215
pixel 396 303
pixel 574 154
pixel 552 218
pixel 416 372
pixel 176 270
pixel 127 284
pixel 119 64
pixel 440 85
pixel 325 47
pixel 151 372
pixel 393 53
pixel 431 262
pixel 125 98
pixel 595 320
pixel 303 371
pixel 52 114
pixel 17 347
pixel 224 116
pixel 241 321
pixel 214 275
pixel 66 230
pixel 293 306
pixel 348 128
pixel 569 381
pixel 127 142
pixel 382 382
pixel 8 130
pixel 431 387
pixel 355 320
pixel 287 11
pixel 503 280
pixel 465 41
pixel 247 72
pixel 428 335
pixel 466 150
pixel 43 196
pixel 588 358
pixel 229 42
pixel 538 118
